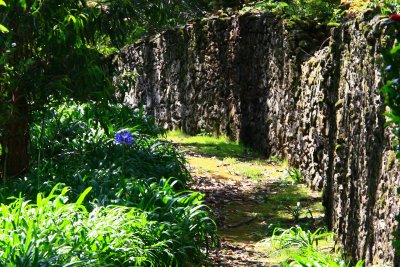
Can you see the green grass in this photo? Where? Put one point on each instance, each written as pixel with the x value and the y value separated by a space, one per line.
pixel 237 159
pixel 272 208
pixel 295 247
pixel 252 169
pixel 207 145
pixel 286 243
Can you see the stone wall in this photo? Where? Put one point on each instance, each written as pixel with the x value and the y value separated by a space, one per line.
pixel 293 89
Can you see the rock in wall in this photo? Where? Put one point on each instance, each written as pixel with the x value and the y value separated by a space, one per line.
pixel 292 89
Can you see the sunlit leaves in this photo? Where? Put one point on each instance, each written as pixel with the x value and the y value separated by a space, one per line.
pixel 3 29
pixel 23 4
pixel 51 231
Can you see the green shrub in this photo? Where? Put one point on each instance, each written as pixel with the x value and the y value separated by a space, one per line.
pixel 74 146
pixel 53 232
pixel 162 228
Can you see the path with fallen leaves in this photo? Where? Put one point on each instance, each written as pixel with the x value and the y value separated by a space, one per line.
pixel 249 196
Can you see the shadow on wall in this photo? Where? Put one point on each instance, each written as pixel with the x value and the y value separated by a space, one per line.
pixel 268 83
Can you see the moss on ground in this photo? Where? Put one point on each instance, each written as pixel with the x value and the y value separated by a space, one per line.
pixel 209 146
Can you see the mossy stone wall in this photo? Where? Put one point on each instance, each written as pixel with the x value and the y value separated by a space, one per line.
pixel 289 88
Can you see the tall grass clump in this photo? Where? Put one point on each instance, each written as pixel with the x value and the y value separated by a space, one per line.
pixel 138 211
pixel 307 248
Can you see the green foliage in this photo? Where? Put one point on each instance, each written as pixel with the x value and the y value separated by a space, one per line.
pixel 81 138
pixel 312 258
pixel 299 238
pixel 2 28
pixel 387 7
pixel 49 50
pixel 324 10
pixel 55 232
pixel 48 53
pixel 226 3
pixel 392 76
pixel 295 175
pixel 296 212
pixel 46 48
pixel 73 146
pixel 384 7
pixel 206 144
pixel 306 248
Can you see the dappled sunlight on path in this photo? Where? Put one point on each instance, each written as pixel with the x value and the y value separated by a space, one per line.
pixel 249 196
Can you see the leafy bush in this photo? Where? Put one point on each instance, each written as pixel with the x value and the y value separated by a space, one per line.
pixel 156 222
pixel 53 232
pixel 74 145
pixel 162 224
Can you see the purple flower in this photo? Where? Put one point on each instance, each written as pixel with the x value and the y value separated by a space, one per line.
pixel 123 138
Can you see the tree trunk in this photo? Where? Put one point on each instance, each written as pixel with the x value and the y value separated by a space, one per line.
pixel 14 158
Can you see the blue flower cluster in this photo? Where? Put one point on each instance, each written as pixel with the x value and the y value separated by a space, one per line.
pixel 123 138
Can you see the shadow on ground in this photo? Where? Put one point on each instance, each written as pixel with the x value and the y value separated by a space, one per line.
pixel 248 211
pixel 249 195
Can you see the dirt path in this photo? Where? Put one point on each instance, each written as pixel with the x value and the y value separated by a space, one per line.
pixel 250 197
pixel 239 223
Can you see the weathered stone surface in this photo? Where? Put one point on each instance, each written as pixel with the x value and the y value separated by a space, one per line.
pixel 295 90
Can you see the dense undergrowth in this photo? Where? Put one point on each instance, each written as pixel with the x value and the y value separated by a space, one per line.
pixel 90 201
